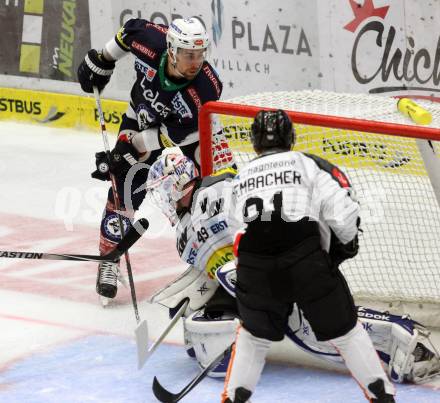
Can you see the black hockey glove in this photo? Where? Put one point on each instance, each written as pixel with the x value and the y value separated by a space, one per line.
pixel 340 252
pixel 94 70
pixel 122 158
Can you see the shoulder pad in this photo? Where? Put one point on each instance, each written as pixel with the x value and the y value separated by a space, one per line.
pixel 207 84
pixel 333 170
pixel 143 34
pixel 215 178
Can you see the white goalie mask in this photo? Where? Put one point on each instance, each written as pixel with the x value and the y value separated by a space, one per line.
pixel 167 182
pixel 188 33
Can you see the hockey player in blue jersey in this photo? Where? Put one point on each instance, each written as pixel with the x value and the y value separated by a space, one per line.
pixel 173 80
pixel 201 212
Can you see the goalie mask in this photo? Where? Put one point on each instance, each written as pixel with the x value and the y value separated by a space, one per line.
pixel 272 130
pixel 168 182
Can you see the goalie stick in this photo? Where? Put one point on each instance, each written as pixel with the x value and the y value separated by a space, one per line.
pixel 133 234
pixel 144 354
pixel 166 396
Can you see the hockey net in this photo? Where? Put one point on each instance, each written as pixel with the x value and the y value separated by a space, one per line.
pixel 384 155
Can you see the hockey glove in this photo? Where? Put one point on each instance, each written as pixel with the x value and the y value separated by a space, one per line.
pixel 340 252
pixel 122 158
pixel 94 70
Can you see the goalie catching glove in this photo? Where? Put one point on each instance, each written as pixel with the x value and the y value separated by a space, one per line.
pixel 122 158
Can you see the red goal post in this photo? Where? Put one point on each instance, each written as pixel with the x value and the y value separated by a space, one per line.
pixel 313 119
pixel 394 167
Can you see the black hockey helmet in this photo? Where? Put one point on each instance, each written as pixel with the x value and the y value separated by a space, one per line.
pixel 272 129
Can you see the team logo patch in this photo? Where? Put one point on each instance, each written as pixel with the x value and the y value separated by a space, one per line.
pixel 146 69
pixel 110 227
pixel 143 117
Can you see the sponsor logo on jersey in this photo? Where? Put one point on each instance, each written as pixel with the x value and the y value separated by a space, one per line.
pixel 144 50
pixel 195 97
pixel 213 78
pixel 152 101
pixel 146 69
pixel 181 107
pixel 157 27
pixel 219 258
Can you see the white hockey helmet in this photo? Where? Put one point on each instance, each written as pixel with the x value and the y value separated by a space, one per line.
pixel 167 182
pixel 188 33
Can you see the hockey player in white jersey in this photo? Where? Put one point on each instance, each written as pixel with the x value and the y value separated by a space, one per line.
pixel 291 205
pixel 205 229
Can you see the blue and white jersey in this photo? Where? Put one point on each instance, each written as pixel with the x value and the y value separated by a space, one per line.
pixel 155 99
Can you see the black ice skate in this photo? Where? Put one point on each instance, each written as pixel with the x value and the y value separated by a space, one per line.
pixel 107 281
pixel 378 389
pixel 242 395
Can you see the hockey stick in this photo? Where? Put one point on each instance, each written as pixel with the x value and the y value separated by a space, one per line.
pixel 141 331
pixel 145 355
pixel 134 233
pixel 166 396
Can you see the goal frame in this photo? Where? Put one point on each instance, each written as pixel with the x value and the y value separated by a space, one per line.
pixel 313 119
pixel 426 312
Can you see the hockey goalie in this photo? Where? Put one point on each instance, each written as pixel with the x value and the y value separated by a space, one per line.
pixel 205 230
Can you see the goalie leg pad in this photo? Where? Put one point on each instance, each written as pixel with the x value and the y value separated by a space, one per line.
pixel 193 284
pixel 209 337
pixel 401 343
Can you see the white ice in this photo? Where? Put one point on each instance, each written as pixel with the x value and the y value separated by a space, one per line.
pixel 57 344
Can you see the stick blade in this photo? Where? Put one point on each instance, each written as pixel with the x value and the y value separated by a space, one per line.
pixel 141 333
pixel 162 394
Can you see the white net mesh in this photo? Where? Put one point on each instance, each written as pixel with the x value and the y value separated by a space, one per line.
pixel 399 258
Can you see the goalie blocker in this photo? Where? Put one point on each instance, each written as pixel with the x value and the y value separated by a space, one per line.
pixel 211 320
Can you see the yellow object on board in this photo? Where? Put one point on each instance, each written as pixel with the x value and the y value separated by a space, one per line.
pixel 418 114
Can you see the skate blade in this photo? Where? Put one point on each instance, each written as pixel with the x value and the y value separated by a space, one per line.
pixel 104 301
